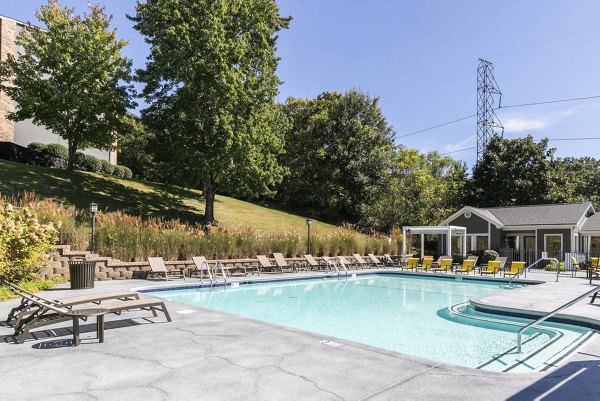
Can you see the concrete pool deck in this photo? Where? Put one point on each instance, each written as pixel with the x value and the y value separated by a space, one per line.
pixel 211 355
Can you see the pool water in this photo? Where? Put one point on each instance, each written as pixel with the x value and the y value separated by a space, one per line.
pixel 407 314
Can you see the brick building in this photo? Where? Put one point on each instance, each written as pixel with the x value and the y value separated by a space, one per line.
pixel 24 132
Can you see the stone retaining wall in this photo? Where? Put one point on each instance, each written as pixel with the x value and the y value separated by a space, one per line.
pixel 112 269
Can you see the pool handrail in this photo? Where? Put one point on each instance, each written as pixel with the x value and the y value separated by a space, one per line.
pixel 550 314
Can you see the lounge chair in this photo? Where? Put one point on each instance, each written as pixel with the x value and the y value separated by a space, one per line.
pixel 404 258
pixel 158 267
pixel 438 261
pixel 45 312
pixel 282 263
pixel 360 261
pixel 346 263
pixel 444 266
pixel 473 257
pixel 411 264
pixel 493 267
pixel 331 265
pixel 313 264
pixel 467 266
pixel 515 269
pixel 26 307
pixel 387 259
pixel 375 261
pixel 595 265
pixel 502 260
pixel 426 264
pixel 265 263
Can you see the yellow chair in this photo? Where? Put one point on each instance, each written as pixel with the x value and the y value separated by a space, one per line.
pixel 467 266
pixel 411 264
pixel 445 265
pixel 595 266
pixel 493 267
pixel 425 264
pixel 515 269
pixel 576 265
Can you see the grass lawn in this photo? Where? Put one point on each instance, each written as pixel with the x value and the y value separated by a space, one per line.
pixel 144 198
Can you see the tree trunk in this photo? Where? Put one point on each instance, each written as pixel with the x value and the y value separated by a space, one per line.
pixel 209 198
pixel 72 151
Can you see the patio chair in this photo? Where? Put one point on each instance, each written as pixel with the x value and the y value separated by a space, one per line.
pixel 345 262
pixel 387 259
pixel 46 313
pixel 438 261
pixel 282 263
pixel 158 267
pixel 515 269
pixel 493 267
pixel 595 265
pixel 426 264
pixel 26 307
pixel 265 263
pixel 473 257
pixel 411 264
pixel 312 263
pixel 467 266
pixel 444 266
pixel 360 261
pixel 404 258
pixel 375 261
pixel 502 260
pixel 331 265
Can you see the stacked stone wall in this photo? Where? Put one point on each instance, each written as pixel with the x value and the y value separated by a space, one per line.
pixel 112 269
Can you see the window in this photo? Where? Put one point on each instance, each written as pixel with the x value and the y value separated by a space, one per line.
pixel 595 246
pixel 481 242
pixel 553 244
pixel 456 245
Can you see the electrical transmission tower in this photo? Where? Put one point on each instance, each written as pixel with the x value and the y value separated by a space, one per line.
pixel 487 120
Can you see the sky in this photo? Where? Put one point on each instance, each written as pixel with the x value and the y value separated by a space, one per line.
pixel 420 58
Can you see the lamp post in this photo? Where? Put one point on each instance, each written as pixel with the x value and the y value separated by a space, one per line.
pixel 308 223
pixel 93 210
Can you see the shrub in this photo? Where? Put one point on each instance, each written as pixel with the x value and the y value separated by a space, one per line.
pixel 24 243
pixel 79 161
pixel 93 164
pixel 37 147
pixel 127 173
pixel 551 266
pixel 119 171
pixel 107 167
pixel 488 255
pixel 56 150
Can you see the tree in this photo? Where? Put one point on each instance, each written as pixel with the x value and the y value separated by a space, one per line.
pixel 578 179
pixel 422 189
pixel 210 83
pixel 135 150
pixel 515 172
pixel 70 78
pixel 338 150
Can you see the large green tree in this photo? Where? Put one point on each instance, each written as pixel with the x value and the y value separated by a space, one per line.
pixel 421 189
pixel 338 150
pixel 71 77
pixel 577 179
pixel 210 82
pixel 515 172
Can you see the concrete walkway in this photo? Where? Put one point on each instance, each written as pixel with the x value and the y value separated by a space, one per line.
pixel 210 355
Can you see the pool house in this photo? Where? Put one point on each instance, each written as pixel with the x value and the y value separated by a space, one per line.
pixel 520 232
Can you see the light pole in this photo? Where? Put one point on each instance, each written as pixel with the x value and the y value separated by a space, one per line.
pixel 93 210
pixel 308 223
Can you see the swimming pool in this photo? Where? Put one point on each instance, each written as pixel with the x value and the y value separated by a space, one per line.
pixel 422 316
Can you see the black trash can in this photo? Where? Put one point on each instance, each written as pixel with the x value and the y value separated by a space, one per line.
pixel 83 273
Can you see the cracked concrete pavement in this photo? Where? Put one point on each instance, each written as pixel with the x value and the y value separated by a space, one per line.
pixel 210 355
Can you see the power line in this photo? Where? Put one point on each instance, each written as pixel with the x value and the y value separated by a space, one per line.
pixel 436 126
pixel 551 101
pixel 503 107
pixel 459 150
pixel 588 138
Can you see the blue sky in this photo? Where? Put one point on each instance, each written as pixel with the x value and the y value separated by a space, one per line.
pixel 421 57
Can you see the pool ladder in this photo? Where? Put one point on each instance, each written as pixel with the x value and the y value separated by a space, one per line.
pixel 333 267
pixel 550 314
pixel 218 265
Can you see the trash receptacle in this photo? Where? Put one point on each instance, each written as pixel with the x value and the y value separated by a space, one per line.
pixel 83 273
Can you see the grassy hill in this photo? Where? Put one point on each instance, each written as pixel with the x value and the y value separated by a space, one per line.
pixel 144 198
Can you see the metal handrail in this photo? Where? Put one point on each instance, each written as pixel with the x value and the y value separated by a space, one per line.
pixel 550 314
pixel 533 264
pixel 210 276
pixel 220 265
